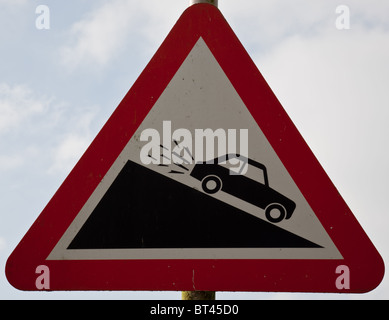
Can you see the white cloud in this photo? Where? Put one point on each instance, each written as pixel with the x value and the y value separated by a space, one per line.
pixel 99 35
pixel 71 147
pixel 339 76
pixel 160 18
pixel 261 25
pixel 106 31
pixel 25 118
pixel 12 2
pixel 8 162
pixel 32 126
pixel 18 103
pixel 112 26
pixel 3 244
pixel 68 152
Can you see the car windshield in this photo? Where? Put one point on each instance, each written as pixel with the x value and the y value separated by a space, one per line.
pixel 241 166
pixel 236 165
pixel 256 174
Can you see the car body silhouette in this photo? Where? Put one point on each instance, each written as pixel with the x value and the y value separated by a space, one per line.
pixel 253 186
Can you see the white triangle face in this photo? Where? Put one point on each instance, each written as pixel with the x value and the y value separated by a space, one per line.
pixel 199 97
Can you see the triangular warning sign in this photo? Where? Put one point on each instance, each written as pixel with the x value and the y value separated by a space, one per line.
pixel 198 181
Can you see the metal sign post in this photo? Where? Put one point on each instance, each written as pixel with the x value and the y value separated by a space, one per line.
pixel 200 295
pixel 214 2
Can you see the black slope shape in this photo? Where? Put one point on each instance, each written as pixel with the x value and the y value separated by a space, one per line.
pixel 144 209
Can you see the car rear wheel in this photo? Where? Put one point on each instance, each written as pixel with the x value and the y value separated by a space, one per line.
pixel 275 213
pixel 211 184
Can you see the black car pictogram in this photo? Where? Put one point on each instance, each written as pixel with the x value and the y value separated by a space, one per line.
pixel 252 186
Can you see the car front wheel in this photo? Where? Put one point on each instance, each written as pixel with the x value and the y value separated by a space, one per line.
pixel 275 213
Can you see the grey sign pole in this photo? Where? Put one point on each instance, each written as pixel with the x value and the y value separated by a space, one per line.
pixel 200 295
pixel 214 2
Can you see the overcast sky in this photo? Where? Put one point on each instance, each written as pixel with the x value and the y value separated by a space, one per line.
pixel 59 86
